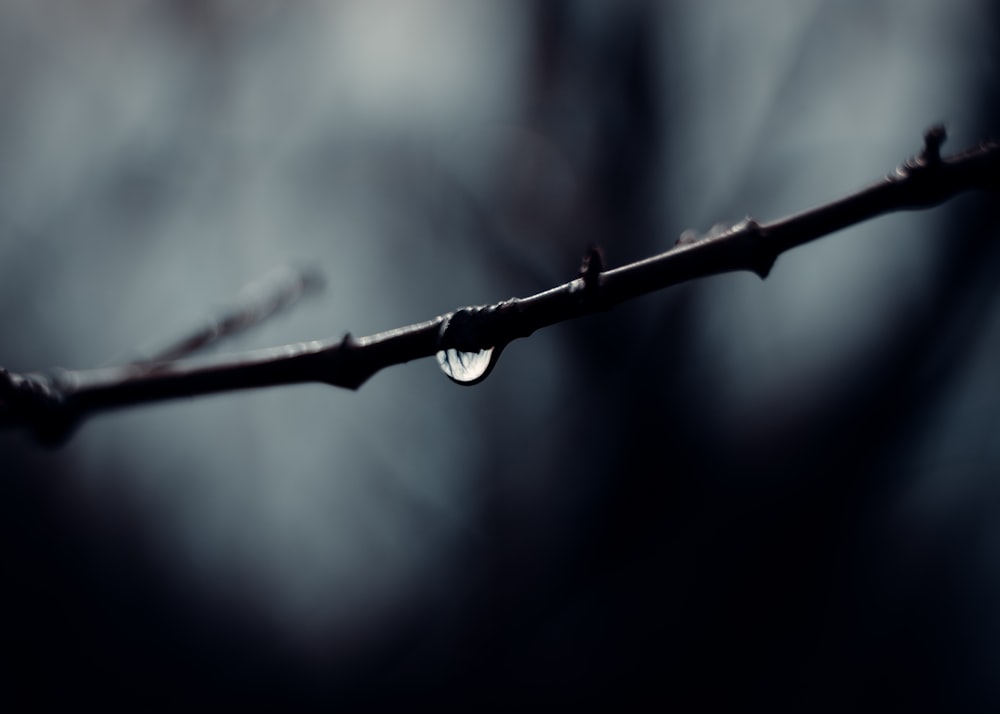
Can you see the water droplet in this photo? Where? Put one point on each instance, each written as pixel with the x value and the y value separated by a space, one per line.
pixel 467 367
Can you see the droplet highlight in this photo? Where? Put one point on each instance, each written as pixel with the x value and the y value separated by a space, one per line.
pixel 467 367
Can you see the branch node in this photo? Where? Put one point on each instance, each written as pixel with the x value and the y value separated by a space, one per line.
pixel 762 257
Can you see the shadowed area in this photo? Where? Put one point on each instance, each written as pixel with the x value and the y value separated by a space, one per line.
pixel 733 493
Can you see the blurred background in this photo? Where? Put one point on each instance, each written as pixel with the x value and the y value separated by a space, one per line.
pixel 731 493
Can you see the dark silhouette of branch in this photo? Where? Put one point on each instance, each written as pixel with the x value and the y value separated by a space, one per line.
pixel 469 341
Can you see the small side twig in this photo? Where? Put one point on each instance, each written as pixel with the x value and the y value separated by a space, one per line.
pixel 275 291
pixel 51 404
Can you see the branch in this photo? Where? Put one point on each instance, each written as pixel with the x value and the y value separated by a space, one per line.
pixel 469 341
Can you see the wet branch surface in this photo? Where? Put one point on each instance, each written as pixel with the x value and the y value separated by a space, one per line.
pixel 468 341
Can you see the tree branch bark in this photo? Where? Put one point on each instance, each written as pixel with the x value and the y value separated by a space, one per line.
pixel 469 341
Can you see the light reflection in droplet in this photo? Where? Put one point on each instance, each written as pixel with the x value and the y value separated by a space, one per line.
pixel 466 367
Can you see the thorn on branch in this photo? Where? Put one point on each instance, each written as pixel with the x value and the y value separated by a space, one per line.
pixel 933 139
pixel 591 268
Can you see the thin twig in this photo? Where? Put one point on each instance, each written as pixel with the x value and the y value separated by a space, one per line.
pixel 275 291
pixel 469 341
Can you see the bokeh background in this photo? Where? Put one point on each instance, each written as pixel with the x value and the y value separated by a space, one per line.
pixel 732 493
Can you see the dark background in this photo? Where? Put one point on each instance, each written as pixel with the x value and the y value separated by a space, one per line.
pixel 731 494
